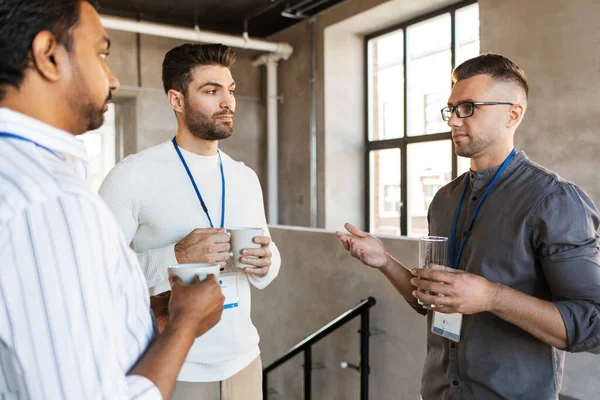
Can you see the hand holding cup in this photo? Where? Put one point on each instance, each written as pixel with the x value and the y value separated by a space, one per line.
pixel 250 250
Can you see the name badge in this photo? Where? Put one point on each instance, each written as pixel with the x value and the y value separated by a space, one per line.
pixel 447 325
pixel 229 287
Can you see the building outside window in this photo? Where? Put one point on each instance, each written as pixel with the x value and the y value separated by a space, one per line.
pixel 409 148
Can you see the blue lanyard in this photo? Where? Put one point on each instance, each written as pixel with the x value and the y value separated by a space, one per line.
pixel 24 139
pixel 196 187
pixel 454 262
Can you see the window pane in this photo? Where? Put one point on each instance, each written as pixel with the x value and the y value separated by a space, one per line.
pixel 384 192
pixel 467 33
pixel 386 83
pixel 429 168
pixel 428 73
pixel 100 147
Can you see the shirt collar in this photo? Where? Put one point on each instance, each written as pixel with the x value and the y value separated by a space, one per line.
pixel 57 140
pixel 481 179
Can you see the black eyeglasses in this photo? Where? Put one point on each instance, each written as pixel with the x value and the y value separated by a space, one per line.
pixel 466 109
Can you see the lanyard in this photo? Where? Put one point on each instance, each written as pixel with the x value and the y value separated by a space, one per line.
pixel 24 139
pixel 198 191
pixel 454 262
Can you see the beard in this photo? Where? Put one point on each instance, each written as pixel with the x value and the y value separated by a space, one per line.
pixel 94 116
pixel 476 145
pixel 90 115
pixel 204 127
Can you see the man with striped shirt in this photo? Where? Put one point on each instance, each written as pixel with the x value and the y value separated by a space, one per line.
pixel 75 321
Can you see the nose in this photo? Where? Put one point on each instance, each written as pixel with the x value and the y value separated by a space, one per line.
pixel 454 120
pixel 113 82
pixel 228 102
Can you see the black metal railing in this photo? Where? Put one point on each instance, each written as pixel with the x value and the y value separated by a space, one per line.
pixel 305 346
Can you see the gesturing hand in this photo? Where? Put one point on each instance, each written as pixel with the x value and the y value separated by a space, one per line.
pixel 363 246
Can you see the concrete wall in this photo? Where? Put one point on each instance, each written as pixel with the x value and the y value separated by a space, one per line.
pixel 154 120
pixel 318 281
pixel 557 43
pixel 344 129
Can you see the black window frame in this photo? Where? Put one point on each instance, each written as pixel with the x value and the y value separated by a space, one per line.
pixel 403 142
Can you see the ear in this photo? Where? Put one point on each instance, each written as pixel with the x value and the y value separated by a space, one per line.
pixel 48 56
pixel 176 100
pixel 515 115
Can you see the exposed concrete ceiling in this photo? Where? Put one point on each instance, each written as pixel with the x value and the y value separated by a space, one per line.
pixel 264 17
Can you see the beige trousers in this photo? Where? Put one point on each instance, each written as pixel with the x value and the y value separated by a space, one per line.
pixel 245 385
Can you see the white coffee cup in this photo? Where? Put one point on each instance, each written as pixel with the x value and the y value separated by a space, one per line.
pixel 187 272
pixel 241 238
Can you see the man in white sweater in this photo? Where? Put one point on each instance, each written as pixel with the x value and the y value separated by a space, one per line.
pixel 173 201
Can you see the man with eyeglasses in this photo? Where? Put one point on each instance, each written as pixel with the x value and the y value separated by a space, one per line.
pixel 523 284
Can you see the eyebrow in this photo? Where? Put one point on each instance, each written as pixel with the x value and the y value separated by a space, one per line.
pixel 105 40
pixel 215 84
pixel 460 101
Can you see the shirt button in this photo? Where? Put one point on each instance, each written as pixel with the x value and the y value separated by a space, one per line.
pixel 453 345
pixel 474 198
pixel 455 383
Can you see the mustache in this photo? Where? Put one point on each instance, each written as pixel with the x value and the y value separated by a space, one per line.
pixel 223 113
pixel 460 132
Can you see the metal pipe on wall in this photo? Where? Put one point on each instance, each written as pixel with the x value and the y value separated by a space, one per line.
pixel 194 35
pixel 313 124
pixel 272 143
pixel 271 62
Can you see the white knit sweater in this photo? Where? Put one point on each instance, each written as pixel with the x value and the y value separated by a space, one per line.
pixel 156 206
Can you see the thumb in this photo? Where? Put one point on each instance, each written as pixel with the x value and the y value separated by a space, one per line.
pixel 175 280
pixel 355 231
pixel 212 278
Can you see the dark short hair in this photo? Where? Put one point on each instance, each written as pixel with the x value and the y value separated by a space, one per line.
pixel 20 23
pixel 180 62
pixel 498 67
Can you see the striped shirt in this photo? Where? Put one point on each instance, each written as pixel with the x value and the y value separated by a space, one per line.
pixel 74 308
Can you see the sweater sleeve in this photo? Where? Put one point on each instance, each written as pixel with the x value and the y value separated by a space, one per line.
pixel 261 220
pixel 117 191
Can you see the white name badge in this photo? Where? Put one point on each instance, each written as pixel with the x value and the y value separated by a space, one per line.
pixel 229 287
pixel 447 325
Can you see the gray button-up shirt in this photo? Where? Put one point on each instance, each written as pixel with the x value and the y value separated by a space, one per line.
pixel 537 234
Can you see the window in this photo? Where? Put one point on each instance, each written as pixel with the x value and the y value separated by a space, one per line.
pixel 101 147
pixel 391 200
pixel 409 148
